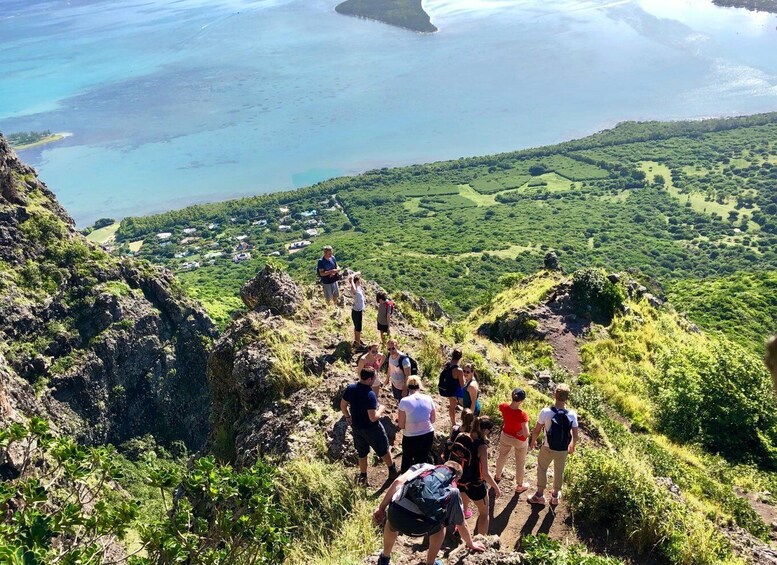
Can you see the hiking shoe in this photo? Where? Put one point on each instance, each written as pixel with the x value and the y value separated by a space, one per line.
pixel 361 480
pixel 536 500
pixel 383 560
pixel 522 488
pixel 554 498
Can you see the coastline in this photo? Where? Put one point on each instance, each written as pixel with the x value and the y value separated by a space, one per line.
pixel 54 137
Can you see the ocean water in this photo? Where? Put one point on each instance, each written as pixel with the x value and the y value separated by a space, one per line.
pixel 172 102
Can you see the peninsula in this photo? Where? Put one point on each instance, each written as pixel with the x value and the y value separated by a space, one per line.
pixel 408 14
pixel 28 140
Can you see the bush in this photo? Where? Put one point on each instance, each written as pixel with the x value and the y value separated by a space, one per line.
pixel 541 550
pixel 594 296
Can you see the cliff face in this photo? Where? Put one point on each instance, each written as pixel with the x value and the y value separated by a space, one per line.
pixel 107 349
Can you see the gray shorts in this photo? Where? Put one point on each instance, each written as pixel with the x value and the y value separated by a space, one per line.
pixel 331 292
pixel 372 437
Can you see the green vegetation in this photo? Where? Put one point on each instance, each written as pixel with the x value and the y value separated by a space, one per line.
pixel 755 5
pixel 595 296
pixel 402 13
pixel 29 139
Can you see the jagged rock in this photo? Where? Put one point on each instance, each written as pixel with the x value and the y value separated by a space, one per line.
pixel 654 301
pixel 517 324
pixel 274 290
pixel 432 310
pixel 551 261
pixel 461 555
pixel 121 348
pixel 750 548
pixel 614 278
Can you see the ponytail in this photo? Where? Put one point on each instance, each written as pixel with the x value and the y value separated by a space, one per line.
pixel 467 420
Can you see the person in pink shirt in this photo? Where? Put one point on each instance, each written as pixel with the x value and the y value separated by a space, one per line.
pixel 514 437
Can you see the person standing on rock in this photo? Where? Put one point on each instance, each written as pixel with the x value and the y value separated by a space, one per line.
pixel 560 426
pixel 357 309
pixel 443 508
pixel 451 384
pixel 385 309
pixel 416 416
pixel 360 407
pixel 399 367
pixel 328 272
pixel 514 437
pixel 372 358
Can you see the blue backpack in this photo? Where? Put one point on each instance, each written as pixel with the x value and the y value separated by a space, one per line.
pixel 431 490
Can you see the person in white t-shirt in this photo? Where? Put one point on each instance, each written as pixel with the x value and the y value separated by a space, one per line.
pixel 357 309
pixel 416 416
pixel 560 427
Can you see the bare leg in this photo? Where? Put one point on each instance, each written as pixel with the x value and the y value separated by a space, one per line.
pixel 362 464
pixel 387 459
pixel 435 543
pixel 452 402
pixel 389 539
pixel 481 527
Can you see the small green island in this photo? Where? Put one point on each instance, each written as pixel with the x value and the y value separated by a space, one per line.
pixel 754 5
pixel 408 14
pixel 29 139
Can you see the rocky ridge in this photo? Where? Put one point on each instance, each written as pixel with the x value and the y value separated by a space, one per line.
pixel 106 349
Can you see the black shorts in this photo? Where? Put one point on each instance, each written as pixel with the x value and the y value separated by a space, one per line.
pixel 398 393
pixel 356 316
pixel 409 523
pixel 372 437
pixel 475 491
pixel 383 328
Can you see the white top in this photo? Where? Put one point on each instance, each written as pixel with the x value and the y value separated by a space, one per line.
pixel 358 299
pixel 546 416
pixel 418 411
pixel 397 374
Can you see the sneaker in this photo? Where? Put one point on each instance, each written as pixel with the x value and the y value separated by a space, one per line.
pixel 522 488
pixel 468 513
pixel 554 498
pixel 536 500
pixel 383 560
pixel 361 480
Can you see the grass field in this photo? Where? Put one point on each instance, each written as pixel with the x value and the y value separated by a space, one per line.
pixel 104 235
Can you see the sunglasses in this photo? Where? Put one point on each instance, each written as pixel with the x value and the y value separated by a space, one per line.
pixel 413 387
pixel 467 372
pixel 392 348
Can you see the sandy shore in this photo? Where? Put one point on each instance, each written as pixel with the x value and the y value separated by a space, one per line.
pixel 49 139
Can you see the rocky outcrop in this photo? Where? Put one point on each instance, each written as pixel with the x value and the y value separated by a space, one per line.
pixel 111 347
pixel 461 555
pixel 517 324
pixel 273 290
pixel 430 309
pixel 551 261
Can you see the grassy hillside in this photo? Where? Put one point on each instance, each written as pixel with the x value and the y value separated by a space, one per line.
pixel 682 201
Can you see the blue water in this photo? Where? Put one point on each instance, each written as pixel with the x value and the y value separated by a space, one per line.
pixel 172 102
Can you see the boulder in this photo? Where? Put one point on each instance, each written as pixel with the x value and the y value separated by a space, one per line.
pixel 517 324
pixel 551 261
pixel 274 290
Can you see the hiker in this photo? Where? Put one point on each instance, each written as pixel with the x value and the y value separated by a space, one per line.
pixel 360 407
pixel 416 416
pixel 434 489
pixel 385 309
pixel 399 369
pixel 357 308
pixel 451 385
pixel 771 359
pixel 470 450
pixel 372 358
pixel 514 437
pixel 560 425
pixel 467 418
pixel 471 396
pixel 328 271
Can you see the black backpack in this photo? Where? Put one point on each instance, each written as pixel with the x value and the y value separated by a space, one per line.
pixel 560 433
pixel 413 364
pixel 431 490
pixel 462 451
pixel 447 384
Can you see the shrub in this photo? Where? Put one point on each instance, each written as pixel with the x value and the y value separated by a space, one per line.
pixel 541 550
pixel 595 296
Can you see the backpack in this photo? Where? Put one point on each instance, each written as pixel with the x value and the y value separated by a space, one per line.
pixel 447 384
pixel 446 451
pixel 560 433
pixel 462 451
pixel 431 490
pixel 413 363
pixel 390 307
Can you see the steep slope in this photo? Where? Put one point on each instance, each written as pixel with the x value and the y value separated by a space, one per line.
pixel 111 347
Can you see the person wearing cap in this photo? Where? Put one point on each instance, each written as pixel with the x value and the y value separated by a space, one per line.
pixel 328 272
pixel 514 437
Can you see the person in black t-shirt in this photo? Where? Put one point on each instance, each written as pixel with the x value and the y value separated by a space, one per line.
pixel 328 272
pixel 360 407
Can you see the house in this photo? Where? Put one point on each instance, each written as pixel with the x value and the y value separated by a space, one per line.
pixel 274 254
pixel 190 266
pixel 240 237
pixel 164 235
pixel 312 222
pixel 181 254
pixel 312 232
pixel 259 223
pixel 309 213
pixel 241 257
pixel 242 246
pixel 188 240
pixel 212 226
pixel 189 231
pixel 213 255
pixel 283 210
pixel 284 228
pixel 299 244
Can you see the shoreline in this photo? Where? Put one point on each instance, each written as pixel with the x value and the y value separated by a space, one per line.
pixel 54 137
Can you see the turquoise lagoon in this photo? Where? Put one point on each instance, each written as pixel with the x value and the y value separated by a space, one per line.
pixel 172 102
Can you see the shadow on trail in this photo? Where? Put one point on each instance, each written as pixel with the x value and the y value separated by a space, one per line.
pixel 499 522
